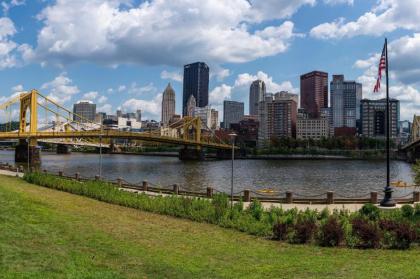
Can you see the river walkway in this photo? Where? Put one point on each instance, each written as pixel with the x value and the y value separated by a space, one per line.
pixel 352 207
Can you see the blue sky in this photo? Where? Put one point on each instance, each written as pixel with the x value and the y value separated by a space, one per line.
pixel 122 53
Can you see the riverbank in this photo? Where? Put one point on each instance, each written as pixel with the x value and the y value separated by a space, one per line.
pixel 48 234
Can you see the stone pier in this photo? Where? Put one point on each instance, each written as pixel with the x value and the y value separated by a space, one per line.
pixel 191 154
pixel 63 149
pixel 22 152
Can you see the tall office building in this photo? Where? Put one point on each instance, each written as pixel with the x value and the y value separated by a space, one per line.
pixel 168 104
pixel 285 95
pixel 84 111
pixel 138 115
pixel 277 119
pixel 205 114
pixel 345 102
pixel 214 119
pixel 256 95
pixel 373 117
pixel 196 83
pixel 314 92
pixel 233 112
pixel 191 105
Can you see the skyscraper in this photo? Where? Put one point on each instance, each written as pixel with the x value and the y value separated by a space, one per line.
pixel 314 92
pixel 373 117
pixel 191 105
pixel 196 83
pixel 168 104
pixel 256 95
pixel 345 102
pixel 84 111
pixel 277 119
pixel 233 112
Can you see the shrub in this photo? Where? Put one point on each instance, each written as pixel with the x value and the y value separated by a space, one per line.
pixel 303 231
pixel 397 234
pixel 367 233
pixel 256 209
pixel 407 211
pixel 221 205
pixel 370 211
pixel 331 233
pixel 280 230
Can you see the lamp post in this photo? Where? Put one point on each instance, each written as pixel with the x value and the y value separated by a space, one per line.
pixel 100 156
pixel 232 137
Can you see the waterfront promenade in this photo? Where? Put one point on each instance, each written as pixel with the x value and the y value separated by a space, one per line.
pixel 315 204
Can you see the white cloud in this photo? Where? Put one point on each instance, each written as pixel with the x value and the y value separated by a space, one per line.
pixel 102 99
pixel 245 80
pixel 163 31
pixel 107 108
pixel 404 72
pixel 175 76
pixel 338 2
pixel 121 88
pixel 219 94
pixel 7 5
pixel 7 46
pixel 17 88
pixel 386 16
pixel 90 96
pixel 275 9
pixel 61 89
pixel 403 59
pixel 151 109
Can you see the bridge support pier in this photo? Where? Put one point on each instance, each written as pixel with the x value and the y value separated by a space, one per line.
pixel 22 151
pixel 63 149
pixel 226 154
pixel 191 154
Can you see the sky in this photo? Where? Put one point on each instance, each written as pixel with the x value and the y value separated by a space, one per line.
pixel 121 54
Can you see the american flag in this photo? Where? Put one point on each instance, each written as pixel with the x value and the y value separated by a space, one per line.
pixel 382 66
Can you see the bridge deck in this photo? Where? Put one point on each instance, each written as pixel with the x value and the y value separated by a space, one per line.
pixel 145 136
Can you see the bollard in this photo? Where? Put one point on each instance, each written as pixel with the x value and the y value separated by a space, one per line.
pixel 374 197
pixel 247 196
pixel 145 186
pixel 289 197
pixel 209 192
pixel 119 182
pixel 176 189
pixel 60 173
pixel 77 176
pixel 96 177
pixel 416 196
pixel 330 197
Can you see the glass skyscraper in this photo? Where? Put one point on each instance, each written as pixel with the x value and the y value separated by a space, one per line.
pixel 196 83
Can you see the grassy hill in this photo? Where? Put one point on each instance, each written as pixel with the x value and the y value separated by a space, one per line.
pixel 51 234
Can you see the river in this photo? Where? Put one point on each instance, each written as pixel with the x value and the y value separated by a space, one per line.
pixel 310 177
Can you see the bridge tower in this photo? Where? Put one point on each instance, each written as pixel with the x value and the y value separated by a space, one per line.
pixel 28 147
pixel 196 153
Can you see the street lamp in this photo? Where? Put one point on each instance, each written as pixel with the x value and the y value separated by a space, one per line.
pixel 232 137
pixel 100 156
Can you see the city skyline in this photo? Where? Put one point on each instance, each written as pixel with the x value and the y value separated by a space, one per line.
pixel 41 53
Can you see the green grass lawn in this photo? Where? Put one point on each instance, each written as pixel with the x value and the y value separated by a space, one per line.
pixel 50 234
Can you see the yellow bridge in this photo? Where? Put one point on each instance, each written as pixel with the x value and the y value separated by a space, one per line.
pixel 186 132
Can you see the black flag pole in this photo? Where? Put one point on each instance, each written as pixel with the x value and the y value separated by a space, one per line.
pixel 387 201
